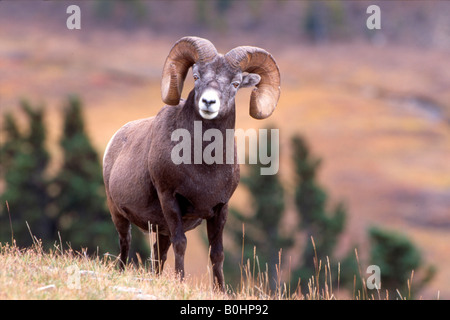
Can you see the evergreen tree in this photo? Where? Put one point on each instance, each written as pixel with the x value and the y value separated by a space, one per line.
pixel 127 14
pixel 73 202
pixel 24 162
pixel 314 23
pixel 397 257
pixel 11 146
pixel 262 227
pixel 393 253
pixel 324 20
pixel 317 224
pixel 84 218
pixel 80 198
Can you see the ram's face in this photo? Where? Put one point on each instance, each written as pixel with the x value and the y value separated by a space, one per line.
pixel 216 86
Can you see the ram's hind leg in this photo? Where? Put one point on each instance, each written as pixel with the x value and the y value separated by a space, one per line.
pixel 123 227
pixel 172 215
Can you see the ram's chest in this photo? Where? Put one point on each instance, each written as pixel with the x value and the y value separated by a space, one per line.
pixel 202 191
pixel 209 185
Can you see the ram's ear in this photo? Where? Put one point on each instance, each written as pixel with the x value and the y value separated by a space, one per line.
pixel 250 80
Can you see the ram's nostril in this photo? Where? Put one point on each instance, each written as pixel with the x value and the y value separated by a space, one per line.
pixel 208 102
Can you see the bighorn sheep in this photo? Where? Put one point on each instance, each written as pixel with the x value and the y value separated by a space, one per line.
pixel 145 187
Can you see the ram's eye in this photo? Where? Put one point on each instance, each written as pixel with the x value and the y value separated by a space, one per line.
pixel 235 84
pixel 196 77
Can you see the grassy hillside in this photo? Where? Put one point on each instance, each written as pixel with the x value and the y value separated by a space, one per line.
pixel 62 274
pixel 32 274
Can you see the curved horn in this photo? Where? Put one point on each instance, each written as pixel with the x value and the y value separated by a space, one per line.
pixel 182 56
pixel 264 97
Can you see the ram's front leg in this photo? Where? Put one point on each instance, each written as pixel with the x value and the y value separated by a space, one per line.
pixel 172 214
pixel 215 227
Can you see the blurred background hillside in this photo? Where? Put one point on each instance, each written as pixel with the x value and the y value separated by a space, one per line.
pixel 374 105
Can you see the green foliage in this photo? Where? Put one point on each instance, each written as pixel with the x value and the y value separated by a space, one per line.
pixel 201 12
pixel 212 14
pixel 321 228
pixel 397 258
pixel 72 203
pixel 317 224
pixel 24 161
pixel 125 13
pixel 223 6
pixel 324 20
pixel 262 227
pixel 314 23
pixel 80 195
pixel 11 147
pixel 395 255
pixel 392 252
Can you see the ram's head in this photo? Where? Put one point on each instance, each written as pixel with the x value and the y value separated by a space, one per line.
pixel 218 77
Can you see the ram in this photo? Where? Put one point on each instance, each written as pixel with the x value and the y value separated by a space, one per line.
pixel 146 188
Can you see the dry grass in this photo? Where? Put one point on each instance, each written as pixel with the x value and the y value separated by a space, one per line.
pixel 32 273
pixel 64 274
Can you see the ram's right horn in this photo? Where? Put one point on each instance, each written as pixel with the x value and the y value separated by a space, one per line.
pixel 265 96
pixel 182 56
